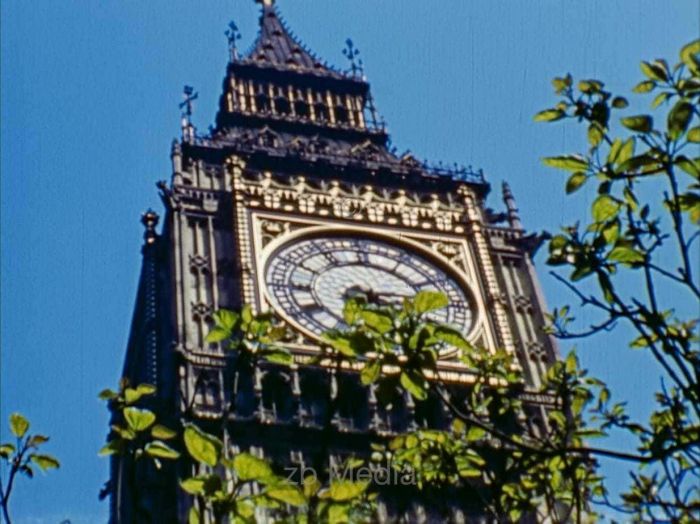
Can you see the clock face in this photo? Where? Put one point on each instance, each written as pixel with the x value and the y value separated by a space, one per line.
pixel 311 279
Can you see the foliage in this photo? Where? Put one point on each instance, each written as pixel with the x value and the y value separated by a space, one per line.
pixel 234 485
pixel 135 434
pixel 488 450
pixel 22 456
pixel 228 485
pixel 643 223
pixel 251 336
pixel 135 431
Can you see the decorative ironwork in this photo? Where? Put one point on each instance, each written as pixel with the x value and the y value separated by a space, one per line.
pixel 186 105
pixel 233 36
pixel 351 53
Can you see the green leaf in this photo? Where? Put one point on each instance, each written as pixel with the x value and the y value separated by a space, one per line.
pixel 107 394
pixel 112 447
pixel 694 134
pixel 560 84
pixel 146 389
pixel 605 208
pixel 620 102
pixel 653 71
pixel 570 162
pixel 606 287
pixel 626 255
pixel 644 87
pixel 590 86
pixel 611 232
pixel 475 433
pixel 692 167
pixel 626 151
pixel 690 55
pixel 217 334
pixel 287 493
pixel 595 134
pixel 132 395
pixel 339 342
pixel 278 356
pixel 614 151
pixel 139 419
pixel 549 115
pixel 679 118
pixel 660 99
pixel 249 467
pixel 575 181
pixel 344 490
pixel 202 446
pixel 452 337
pixel 639 123
pixel 370 372
pixel 160 449
pixel 380 322
pixel 162 432
pixel 18 425
pixel 45 462
pixel 6 450
pixel 37 440
pixel 226 319
pixel 351 311
pixel 194 485
pixel 193 516
pixel 426 301
pixel 311 485
pixel 246 315
pixel 415 385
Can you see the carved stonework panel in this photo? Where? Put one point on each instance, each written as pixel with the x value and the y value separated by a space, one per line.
pixel 348 201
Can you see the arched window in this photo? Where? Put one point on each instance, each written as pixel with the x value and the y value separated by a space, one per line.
pixel 351 404
pixel 320 109
pixel 301 106
pixel 282 105
pixel 315 394
pixel 277 397
pixel 341 112
pixel 243 389
pixel 262 100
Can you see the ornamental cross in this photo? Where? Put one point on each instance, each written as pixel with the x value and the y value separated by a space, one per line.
pixel 233 35
pixel 190 96
pixel 351 53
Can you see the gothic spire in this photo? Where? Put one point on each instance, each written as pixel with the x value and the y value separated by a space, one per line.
pixel 277 46
pixel 511 207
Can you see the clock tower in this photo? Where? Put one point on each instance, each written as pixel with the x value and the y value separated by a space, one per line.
pixel 291 203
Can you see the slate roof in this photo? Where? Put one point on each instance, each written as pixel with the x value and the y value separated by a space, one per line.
pixel 276 46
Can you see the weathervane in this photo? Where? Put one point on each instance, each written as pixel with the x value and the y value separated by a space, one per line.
pixel 186 108
pixel 351 53
pixel 233 35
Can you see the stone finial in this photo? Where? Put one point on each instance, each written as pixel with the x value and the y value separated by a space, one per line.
pixel 511 207
pixel 150 220
pixel 188 131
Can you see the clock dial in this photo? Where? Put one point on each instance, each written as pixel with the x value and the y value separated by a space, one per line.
pixel 311 279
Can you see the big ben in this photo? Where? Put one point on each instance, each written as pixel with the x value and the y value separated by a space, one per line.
pixel 291 203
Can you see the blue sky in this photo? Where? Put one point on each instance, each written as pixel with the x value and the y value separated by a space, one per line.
pixel 89 108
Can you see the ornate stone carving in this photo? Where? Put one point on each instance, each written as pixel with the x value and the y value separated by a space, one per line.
pixel 199 264
pixel 523 303
pixel 201 311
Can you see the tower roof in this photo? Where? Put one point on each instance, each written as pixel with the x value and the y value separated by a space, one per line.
pixel 276 46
